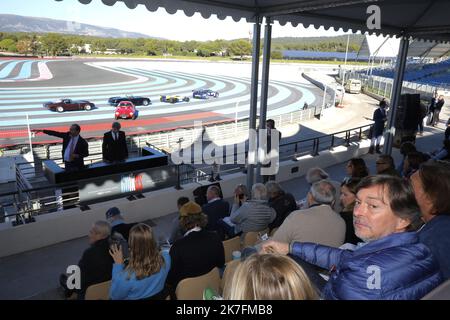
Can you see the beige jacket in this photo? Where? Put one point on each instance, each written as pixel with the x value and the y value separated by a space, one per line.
pixel 318 224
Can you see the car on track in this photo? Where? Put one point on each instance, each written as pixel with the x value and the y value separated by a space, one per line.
pixel 173 99
pixel 204 94
pixel 125 110
pixel 136 100
pixel 69 105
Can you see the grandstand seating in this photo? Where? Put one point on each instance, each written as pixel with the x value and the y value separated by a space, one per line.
pixel 435 74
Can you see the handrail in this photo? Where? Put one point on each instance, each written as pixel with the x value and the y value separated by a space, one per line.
pixel 188 173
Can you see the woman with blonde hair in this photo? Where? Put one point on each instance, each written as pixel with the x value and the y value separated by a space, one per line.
pixel 269 277
pixel 147 270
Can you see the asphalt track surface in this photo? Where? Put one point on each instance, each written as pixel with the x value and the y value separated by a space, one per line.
pixel 93 81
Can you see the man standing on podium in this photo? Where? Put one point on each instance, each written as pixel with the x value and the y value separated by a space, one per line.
pixel 75 148
pixel 114 145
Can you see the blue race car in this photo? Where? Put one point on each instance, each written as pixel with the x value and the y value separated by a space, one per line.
pixel 204 94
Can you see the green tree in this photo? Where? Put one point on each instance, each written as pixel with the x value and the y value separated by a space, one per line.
pixel 276 55
pixel 8 45
pixel 240 48
pixel 54 44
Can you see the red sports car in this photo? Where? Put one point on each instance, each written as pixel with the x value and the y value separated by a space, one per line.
pixel 126 110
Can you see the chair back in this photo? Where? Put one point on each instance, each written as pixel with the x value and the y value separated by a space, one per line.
pixel 252 237
pixel 230 268
pixel 192 288
pixel 98 291
pixel 440 293
pixel 231 245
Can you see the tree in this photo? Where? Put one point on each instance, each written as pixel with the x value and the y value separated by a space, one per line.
pixel 8 45
pixel 35 45
pixel 54 44
pixel 240 48
pixel 24 46
pixel 276 55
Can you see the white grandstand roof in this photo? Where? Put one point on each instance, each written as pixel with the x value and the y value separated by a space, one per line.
pixel 378 46
pixel 420 19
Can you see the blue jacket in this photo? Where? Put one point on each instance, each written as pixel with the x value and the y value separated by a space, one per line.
pixel 435 234
pixel 123 288
pixel 394 267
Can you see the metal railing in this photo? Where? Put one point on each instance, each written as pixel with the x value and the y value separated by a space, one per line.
pixel 44 199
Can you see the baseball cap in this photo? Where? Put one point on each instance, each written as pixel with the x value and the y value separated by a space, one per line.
pixel 114 211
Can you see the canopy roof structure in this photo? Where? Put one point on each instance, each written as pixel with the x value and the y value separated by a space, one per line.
pixel 405 19
pixel 384 47
pixel 379 47
pixel 419 19
pixel 428 49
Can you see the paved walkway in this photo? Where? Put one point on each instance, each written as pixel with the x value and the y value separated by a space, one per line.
pixel 34 274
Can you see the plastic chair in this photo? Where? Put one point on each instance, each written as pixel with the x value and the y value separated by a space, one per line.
pixel 440 293
pixel 99 291
pixel 228 273
pixel 252 237
pixel 231 245
pixel 192 288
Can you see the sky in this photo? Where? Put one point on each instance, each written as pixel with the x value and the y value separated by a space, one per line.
pixel 157 24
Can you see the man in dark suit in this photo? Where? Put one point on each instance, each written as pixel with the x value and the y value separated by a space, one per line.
pixel 379 118
pixel 216 209
pixel 270 126
pixel 198 252
pixel 114 145
pixel 75 148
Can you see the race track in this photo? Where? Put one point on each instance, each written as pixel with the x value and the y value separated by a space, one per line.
pixel 21 96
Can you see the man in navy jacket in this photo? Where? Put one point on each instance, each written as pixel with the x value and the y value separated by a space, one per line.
pixel 379 118
pixel 391 263
pixel 216 209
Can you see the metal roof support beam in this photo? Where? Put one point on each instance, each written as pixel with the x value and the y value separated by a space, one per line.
pixel 253 102
pixel 264 85
pixel 396 92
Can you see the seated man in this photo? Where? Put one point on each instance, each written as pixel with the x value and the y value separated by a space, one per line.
pixel 198 252
pixel 96 262
pixel 318 223
pixel 253 215
pixel 283 203
pixel 175 231
pixel 392 264
pixel 216 208
pixel 316 174
pixel 117 222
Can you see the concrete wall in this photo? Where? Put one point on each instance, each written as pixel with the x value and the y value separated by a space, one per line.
pixel 70 224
